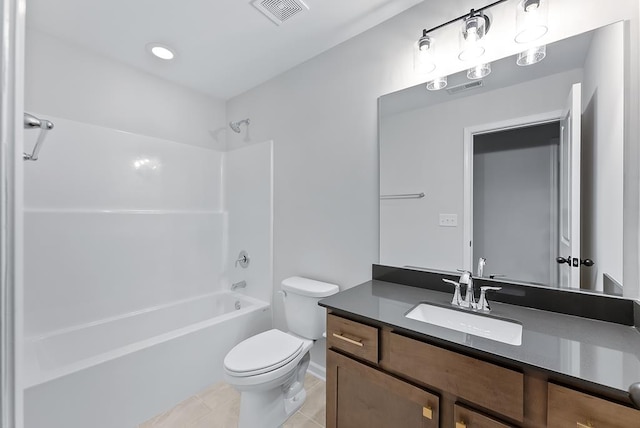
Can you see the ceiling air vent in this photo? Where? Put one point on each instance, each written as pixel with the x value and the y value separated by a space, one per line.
pixel 464 87
pixel 280 11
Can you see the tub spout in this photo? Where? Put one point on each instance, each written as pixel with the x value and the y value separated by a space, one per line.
pixel 241 284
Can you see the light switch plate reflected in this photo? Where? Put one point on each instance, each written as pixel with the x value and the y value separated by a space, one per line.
pixel 448 220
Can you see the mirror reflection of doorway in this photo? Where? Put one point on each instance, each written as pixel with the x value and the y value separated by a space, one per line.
pixel 516 202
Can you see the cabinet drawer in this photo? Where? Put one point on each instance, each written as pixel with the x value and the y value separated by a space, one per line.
pixel 353 338
pixel 491 387
pixel 467 418
pixel 569 408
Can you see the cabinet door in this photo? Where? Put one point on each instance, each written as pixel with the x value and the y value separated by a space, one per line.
pixel 360 396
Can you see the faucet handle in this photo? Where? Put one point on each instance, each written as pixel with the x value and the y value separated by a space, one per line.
pixel 483 303
pixel 465 277
pixel 243 259
pixel 456 294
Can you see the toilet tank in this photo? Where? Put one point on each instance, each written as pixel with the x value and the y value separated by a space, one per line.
pixel 304 317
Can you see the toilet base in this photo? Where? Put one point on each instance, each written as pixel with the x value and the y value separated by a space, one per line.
pixel 272 407
pixel 268 409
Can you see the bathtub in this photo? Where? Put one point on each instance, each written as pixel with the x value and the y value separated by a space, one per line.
pixel 119 372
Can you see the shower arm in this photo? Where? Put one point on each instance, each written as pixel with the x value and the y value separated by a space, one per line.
pixel 235 126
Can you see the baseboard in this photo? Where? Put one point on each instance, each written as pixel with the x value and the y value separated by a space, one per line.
pixel 317 370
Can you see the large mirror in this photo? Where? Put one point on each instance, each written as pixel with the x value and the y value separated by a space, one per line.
pixel 523 168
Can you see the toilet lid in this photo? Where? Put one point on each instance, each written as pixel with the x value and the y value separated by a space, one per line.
pixel 262 353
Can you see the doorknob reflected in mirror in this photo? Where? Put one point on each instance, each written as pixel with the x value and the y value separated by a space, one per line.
pixel 568 260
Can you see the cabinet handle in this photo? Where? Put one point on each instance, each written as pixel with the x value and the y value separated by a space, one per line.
pixel 461 425
pixel 588 425
pixel 427 412
pixel 346 339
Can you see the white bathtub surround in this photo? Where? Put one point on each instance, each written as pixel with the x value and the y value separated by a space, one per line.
pixel 85 266
pixel 127 243
pixel 121 371
pixel 118 222
pixel 248 201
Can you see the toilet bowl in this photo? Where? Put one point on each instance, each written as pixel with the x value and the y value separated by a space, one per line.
pixel 268 369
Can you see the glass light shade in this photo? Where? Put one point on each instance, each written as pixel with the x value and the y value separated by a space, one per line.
pixel 479 71
pixel 531 20
pixel 474 28
pixel 424 55
pixel 532 56
pixel 437 84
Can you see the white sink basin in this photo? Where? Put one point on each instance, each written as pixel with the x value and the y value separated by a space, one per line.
pixel 469 322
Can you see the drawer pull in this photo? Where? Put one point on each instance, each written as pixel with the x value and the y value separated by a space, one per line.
pixel 427 412
pixel 346 339
pixel 461 425
pixel 588 425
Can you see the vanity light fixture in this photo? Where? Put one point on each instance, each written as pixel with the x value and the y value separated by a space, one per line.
pixel 424 54
pixel 437 83
pixel 479 71
pixel 531 20
pixel 161 51
pixel 532 56
pixel 474 28
pixel 531 24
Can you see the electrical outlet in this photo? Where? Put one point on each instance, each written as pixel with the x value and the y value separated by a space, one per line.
pixel 448 220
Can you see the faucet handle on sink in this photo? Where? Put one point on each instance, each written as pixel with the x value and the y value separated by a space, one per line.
pixel 457 299
pixel 483 303
pixel 465 276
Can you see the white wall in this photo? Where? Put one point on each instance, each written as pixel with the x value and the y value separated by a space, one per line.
pixel 421 150
pixel 116 218
pixel 603 157
pixel 74 83
pixel 248 175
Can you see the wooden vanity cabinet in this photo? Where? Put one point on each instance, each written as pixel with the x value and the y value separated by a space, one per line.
pixel 377 378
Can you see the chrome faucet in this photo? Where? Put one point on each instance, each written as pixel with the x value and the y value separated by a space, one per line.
pixel 469 299
pixel 481 264
pixel 241 284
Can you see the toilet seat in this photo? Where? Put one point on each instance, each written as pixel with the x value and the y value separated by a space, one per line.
pixel 262 353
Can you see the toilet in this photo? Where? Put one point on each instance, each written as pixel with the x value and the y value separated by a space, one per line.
pixel 268 369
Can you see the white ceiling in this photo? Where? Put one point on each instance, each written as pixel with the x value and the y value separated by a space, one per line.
pixel 224 47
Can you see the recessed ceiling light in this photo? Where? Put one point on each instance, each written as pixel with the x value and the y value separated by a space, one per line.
pixel 161 51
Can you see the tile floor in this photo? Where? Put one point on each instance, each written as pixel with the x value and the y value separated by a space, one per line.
pixel 218 407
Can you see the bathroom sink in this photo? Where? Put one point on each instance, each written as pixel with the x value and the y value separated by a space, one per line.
pixel 481 325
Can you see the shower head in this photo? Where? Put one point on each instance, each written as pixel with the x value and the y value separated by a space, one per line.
pixel 235 126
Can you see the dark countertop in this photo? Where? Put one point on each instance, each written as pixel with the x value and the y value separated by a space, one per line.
pixel 604 354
